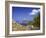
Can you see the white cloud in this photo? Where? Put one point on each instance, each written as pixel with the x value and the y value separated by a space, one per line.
pixel 31 13
pixel 34 11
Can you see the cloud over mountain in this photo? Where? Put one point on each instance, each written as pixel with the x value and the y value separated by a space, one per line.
pixel 34 11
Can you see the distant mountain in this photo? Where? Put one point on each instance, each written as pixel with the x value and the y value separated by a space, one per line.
pixel 24 22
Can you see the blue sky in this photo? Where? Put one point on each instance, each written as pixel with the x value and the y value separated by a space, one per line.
pixel 24 13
